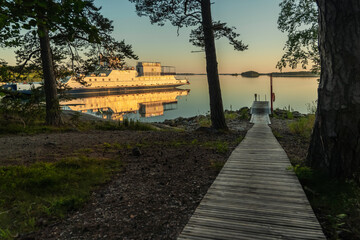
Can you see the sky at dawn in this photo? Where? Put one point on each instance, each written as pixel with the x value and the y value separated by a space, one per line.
pixel 255 20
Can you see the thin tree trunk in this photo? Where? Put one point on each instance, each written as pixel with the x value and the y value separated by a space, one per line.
pixel 216 106
pixel 335 142
pixel 52 101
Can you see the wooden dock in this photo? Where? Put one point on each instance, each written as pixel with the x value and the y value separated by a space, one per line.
pixel 254 195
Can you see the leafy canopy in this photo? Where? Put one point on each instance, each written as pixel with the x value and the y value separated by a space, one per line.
pixel 299 18
pixel 78 34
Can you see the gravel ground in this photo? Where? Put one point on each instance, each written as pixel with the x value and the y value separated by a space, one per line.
pixel 151 198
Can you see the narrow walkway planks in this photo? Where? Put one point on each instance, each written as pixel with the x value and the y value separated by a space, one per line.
pixel 254 195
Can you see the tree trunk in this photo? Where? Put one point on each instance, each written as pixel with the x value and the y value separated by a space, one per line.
pixel 52 101
pixel 216 106
pixel 335 142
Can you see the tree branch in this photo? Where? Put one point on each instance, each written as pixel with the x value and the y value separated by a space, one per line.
pixel 26 61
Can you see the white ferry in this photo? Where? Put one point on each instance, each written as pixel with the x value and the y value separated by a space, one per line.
pixel 147 75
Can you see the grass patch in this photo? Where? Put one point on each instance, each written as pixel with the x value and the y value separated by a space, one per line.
pixel 231 115
pixel 124 125
pixel 30 129
pixel 38 126
pixel 244 113
pixel 28 193
pixel 337 203
pixel 217 165
pixel 204 121
pixel 277 134
pixel 239 140
pixel 303 126
pixel 220 146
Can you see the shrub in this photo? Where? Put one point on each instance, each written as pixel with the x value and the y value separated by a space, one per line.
pixel 204 121
pixel 303 126
pixel 231 115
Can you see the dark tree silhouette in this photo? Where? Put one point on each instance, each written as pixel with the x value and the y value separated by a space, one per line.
pixel 190 13
pixel 51 31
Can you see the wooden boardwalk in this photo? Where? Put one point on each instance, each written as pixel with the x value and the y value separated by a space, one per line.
pixel 254 195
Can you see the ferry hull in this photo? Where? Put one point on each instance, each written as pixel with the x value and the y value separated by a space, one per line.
pixel 123 89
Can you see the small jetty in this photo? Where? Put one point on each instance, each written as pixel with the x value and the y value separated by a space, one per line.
pixel 255 196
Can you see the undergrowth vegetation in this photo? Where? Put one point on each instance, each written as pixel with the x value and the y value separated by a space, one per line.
pixel 336 202
pixel 303 126
pixel 14 123
pixel 29 193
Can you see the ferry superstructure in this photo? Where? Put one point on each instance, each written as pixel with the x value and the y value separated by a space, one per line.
pixel 146 75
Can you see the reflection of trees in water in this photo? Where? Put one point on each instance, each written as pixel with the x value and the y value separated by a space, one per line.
pixel 115 106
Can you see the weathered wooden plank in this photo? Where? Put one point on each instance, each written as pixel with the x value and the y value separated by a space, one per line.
pixel 256 196
pixel 234 228
pixel 262 213
pixel 245 209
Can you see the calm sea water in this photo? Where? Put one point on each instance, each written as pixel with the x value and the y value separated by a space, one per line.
pixel 193 99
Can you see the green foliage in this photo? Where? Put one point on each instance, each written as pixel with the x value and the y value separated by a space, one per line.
pixel 277 134
pixel 220 30
pixel 204 121
pixel 28 193
pixel 299 19
pixel 21 108
pixel 285 113
pixel 244 114
pixel 231 115
pixel 289 115
pixel 71 33
pixel 303 126
pixel 18 117
pixel 217 165
pixel 194 142
pixel 220 146
pixel 125 125
pixel 303 172
pixel 238 140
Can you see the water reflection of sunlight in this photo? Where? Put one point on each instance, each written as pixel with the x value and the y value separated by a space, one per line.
pixel 115 106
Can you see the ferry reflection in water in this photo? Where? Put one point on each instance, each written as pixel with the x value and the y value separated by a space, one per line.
pixel 115 105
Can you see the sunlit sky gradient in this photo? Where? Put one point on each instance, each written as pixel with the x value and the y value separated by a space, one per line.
pixel 255 20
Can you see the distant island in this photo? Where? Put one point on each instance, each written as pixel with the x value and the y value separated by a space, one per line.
pixel 294 74
pixel 250 74
pixel 280 74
